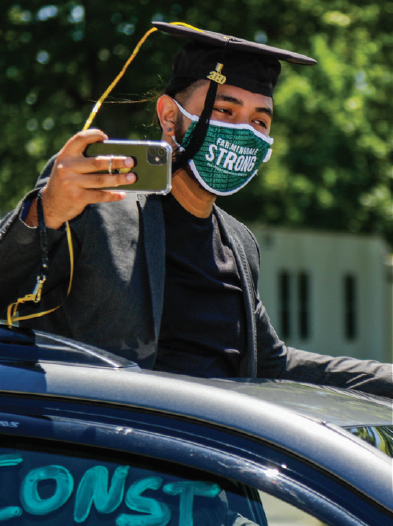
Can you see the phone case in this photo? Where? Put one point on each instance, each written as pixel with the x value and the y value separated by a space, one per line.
pixel 153 163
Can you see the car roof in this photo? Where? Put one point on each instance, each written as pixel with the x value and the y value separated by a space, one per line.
pixel 27 349
pixel 213 403
pixel 302 419
pixel 26 346
pixel 343 407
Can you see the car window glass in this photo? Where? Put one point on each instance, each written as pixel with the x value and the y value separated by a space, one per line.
pixel 380 437
pixel 280 513
pixel 52 488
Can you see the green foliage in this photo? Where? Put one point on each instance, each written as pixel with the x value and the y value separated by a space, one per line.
pixel 332 157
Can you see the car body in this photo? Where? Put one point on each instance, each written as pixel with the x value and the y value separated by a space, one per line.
pixel 89 438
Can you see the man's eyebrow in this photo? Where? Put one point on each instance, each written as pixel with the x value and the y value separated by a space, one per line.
pixel 265 109
pixel 239 102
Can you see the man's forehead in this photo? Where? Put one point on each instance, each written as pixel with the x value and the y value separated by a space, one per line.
pixel 242 97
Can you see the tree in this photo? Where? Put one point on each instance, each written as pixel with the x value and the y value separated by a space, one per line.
pixel 332 156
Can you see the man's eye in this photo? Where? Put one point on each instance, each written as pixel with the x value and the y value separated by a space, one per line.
pixel 222 110
pixel 261 123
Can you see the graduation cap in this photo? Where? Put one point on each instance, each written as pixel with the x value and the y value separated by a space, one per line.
pixel 249 65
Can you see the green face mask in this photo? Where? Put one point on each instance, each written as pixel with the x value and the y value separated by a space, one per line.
pixel 229 156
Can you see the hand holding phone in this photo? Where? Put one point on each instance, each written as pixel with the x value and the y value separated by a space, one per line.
pixel 153 163
pixel 74 182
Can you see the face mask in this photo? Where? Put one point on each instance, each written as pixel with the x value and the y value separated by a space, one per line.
pixel 229 156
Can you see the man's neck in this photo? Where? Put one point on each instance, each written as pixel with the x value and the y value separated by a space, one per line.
pixel 195 199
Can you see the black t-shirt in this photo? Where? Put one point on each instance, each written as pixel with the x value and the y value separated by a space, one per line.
pixel 203 324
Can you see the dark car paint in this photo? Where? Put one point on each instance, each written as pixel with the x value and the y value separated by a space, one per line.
pixel 268 434
pixel 203 447
pixel 27 346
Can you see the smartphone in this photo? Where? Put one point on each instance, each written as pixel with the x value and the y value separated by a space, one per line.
pixel 153 163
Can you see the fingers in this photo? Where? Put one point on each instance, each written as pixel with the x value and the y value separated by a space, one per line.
pixel 96 172
pixel 79 142
pixel 72 157
pixel 111 164
pixel 97 181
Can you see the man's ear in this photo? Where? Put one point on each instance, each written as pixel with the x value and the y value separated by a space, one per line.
pixel 166 113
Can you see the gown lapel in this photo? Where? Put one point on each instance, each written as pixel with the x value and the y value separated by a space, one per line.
pixel 249 361
pixel 154 241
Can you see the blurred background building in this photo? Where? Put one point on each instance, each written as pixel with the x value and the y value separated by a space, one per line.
pixel 330 293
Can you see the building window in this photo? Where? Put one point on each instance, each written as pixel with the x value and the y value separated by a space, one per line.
pixel 294 293
pixel 303 305
pixel 284 284
pixel 350 301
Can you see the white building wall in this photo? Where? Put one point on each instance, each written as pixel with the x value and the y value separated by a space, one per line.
pixel 326 258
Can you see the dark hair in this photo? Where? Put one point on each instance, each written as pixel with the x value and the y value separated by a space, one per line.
pixel 183 91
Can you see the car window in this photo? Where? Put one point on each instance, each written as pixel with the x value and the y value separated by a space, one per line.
pixel 54 488
pixel 380 437
pixel 280 513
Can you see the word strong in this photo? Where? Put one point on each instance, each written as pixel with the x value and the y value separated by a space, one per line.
pixel 232 157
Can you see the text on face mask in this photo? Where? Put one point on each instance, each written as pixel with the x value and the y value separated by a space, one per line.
pixel 229 160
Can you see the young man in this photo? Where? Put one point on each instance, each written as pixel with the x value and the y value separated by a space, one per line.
pixel 170 281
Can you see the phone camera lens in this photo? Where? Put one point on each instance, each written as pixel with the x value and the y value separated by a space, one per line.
pixel 156 155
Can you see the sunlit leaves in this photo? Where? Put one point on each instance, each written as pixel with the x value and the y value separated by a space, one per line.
pixel 333 151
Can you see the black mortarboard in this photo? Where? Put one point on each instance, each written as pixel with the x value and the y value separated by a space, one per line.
pixel 248 65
